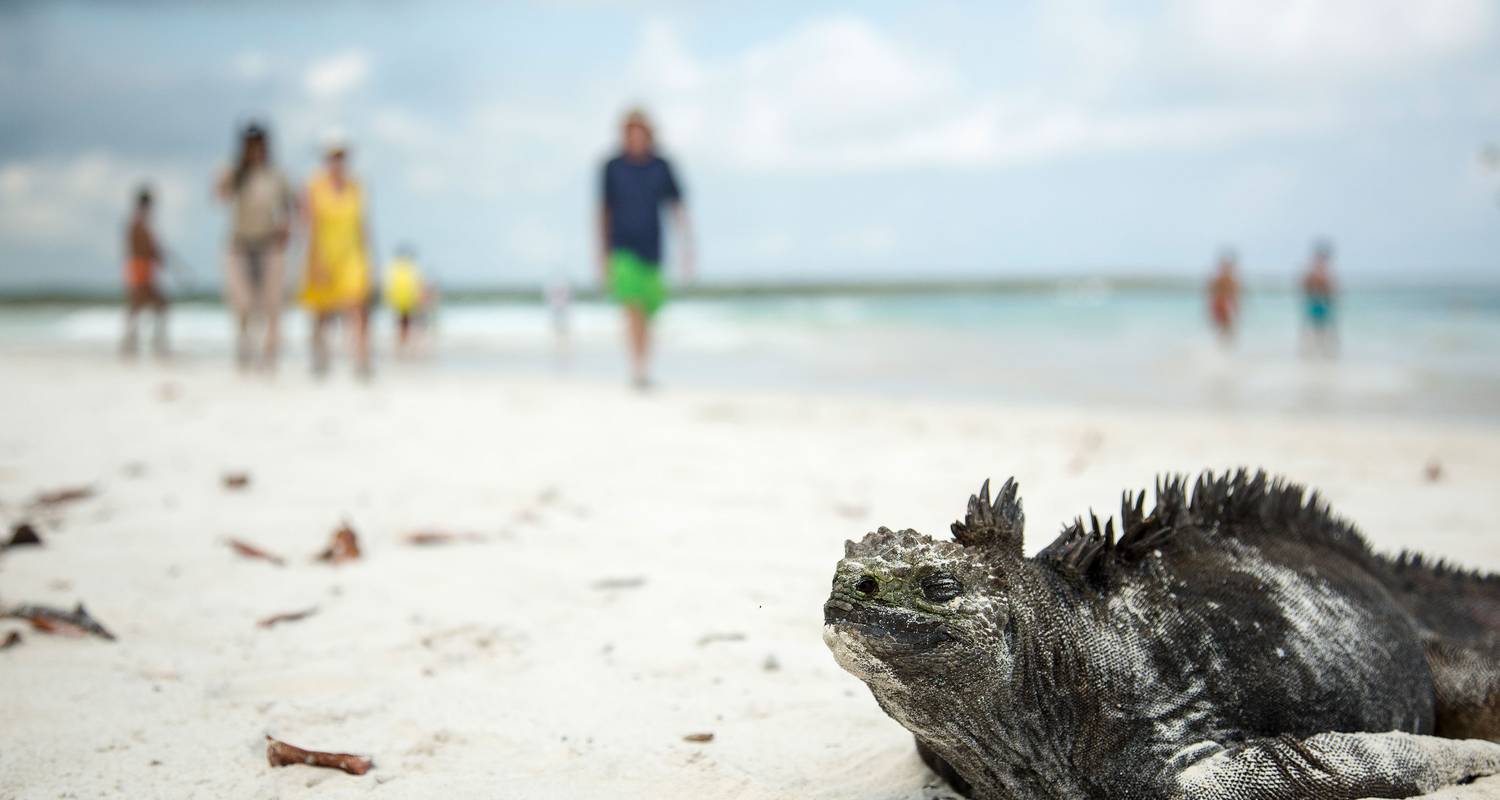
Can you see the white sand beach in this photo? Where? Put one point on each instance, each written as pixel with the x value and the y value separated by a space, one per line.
pixel 643 568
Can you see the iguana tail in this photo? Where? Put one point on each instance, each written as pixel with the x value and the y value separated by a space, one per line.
pixel 1459 616
pixel 1446 601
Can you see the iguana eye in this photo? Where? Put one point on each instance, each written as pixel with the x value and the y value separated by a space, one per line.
pixel 941 587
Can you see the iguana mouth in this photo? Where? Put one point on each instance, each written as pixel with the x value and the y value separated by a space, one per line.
pixel 886 626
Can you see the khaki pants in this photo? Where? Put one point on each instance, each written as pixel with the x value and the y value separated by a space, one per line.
pixel 255 279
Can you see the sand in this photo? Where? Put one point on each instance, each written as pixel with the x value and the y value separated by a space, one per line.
pixel 646 568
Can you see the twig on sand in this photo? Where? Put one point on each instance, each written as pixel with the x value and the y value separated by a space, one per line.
pixel 427 538
pixel 66 623
pixel 698 738
pixel 614 584
pixel 851 510
pixel 344 547
pixel 280 754
pixel 251 551
pixel 23 535
pixel 714 638
pixel 287 616
pixel 236 480
pixel 11 640
pixel 58 497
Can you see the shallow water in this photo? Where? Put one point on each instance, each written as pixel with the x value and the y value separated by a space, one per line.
pixel 1422 352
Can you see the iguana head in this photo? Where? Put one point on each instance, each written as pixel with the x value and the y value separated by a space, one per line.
pixel 908 608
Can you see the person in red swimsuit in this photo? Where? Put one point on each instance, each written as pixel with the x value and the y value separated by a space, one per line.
pixel 143 260
pixel 1224 298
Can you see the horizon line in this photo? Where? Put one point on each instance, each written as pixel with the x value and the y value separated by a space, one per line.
pixel 536 290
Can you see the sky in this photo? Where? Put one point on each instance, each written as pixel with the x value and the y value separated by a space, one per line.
pixel 814 141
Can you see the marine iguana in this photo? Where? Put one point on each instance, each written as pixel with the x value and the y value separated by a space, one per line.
pixel 1237 643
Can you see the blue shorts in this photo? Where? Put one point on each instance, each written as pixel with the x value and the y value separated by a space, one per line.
pixel 1319 311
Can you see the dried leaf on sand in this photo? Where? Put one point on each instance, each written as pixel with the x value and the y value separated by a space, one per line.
pixel 11 640
pixel 428 538
pixel 251 551
pixel 236 480
pixel 22 535
pixel 57 497
pixel 724 636
pixel 700 738
pixel 614 584
pixel 343 547
pixel 280 754
pixel 47 619
pixel 287 616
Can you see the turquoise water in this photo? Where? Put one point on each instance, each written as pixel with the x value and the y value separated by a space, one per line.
pixel 1409 352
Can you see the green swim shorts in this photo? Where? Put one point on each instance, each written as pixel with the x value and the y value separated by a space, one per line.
pixel 635 282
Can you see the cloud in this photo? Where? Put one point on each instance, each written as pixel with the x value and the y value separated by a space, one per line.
pixel 536 241
pixel 1331 38
pixel 840 95
pixel 251 66
pixel 827 83
pixel 662 61
pixel 83 201
pixel 494 150
pixel 337 75
pixel 866 241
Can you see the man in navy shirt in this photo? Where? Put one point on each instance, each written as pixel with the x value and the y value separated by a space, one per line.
pixel 637 183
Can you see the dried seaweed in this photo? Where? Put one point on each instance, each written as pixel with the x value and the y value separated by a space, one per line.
pixel 723 636
pixel 280 754
pixel 24 535
pixel 429 538
pixel 287 616
pixel 613 584
pixel 47 619
pixel 251 551
pixel 57 497
pixel 343 547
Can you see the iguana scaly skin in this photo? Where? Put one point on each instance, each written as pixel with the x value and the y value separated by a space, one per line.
pixel 1241 643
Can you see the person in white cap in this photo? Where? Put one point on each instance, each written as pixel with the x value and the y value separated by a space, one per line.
pixel 337 285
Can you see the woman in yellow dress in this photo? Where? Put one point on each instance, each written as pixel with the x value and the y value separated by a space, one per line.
pixel 336 285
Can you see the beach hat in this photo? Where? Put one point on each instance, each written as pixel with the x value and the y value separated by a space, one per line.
pixel 334 142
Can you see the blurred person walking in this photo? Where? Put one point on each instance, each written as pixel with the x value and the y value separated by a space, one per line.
pixel 1319 336
pixel 1224 297
pixel 559 296
pixel 143 260
pixel 405 294
pixel 636 184
pixel 262 206
pixel 336 284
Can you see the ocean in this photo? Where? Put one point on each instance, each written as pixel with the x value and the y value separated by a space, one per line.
pixel 1426 352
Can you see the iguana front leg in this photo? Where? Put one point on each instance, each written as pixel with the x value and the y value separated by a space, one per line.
pixel 1332 766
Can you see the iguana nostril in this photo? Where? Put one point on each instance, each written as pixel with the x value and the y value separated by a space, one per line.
pixel 866 586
